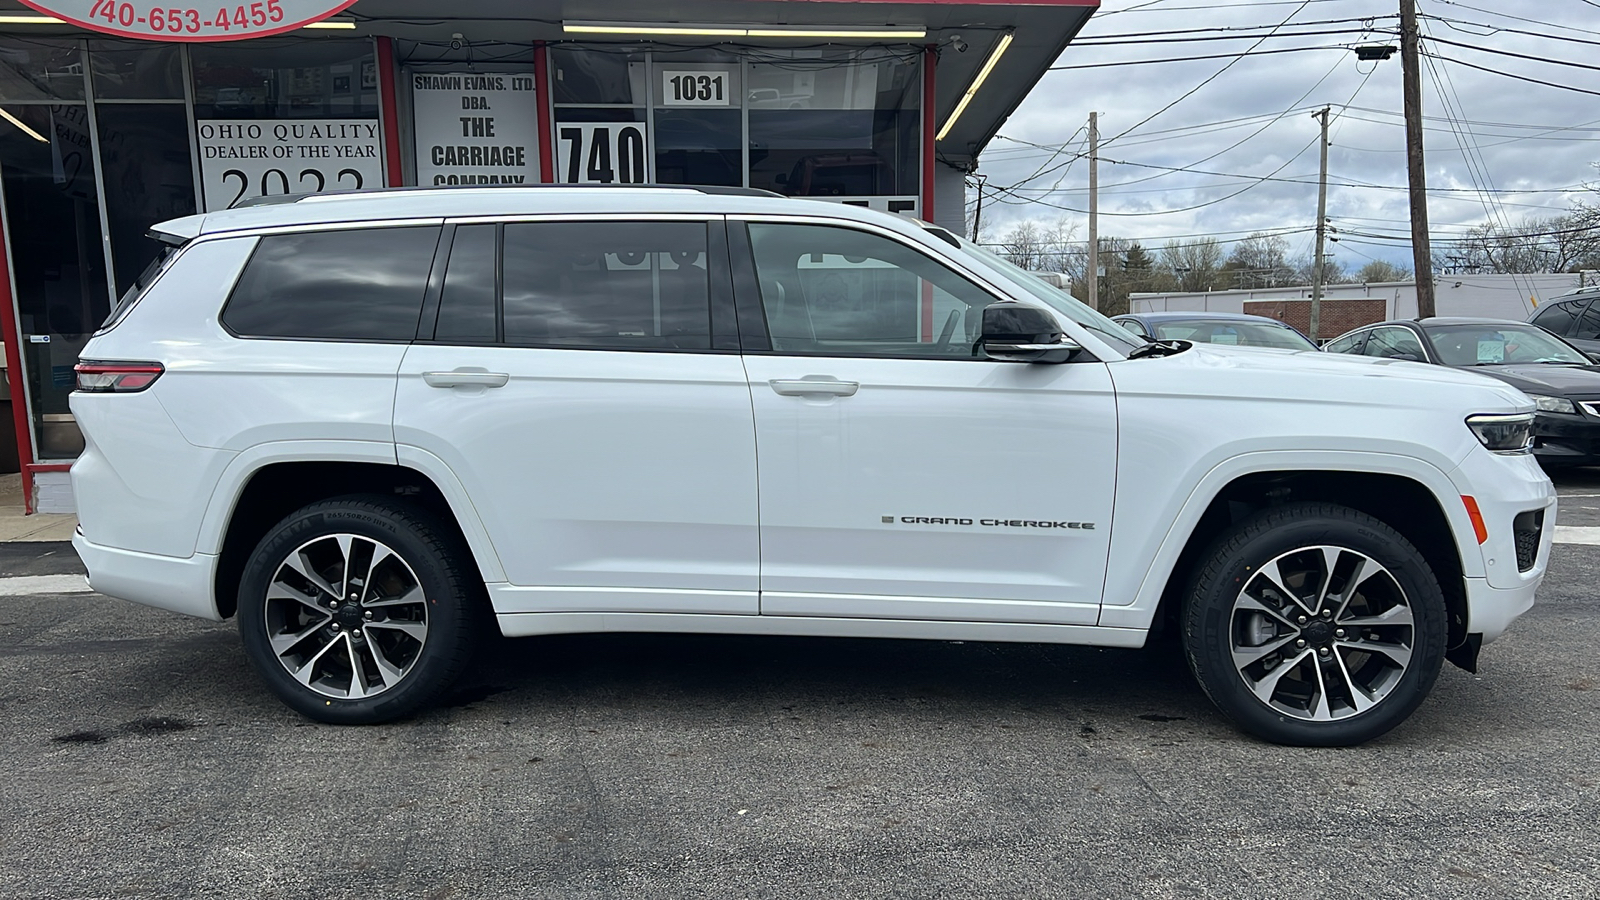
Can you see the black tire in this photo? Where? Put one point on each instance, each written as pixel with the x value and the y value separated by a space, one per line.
pixel 1360 688
pixel 422 612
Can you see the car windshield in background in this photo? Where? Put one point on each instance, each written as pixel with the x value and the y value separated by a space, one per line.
pixel 1493 345
pixel 1242 334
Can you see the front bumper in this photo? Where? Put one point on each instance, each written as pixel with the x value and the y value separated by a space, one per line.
pixel 1563 439
pixel 179 584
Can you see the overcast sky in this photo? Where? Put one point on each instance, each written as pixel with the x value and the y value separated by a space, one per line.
pixel 1532 144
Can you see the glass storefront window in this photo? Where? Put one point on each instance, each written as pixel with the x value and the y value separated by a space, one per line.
pixel 699 118
pixel 136 70
pixel 834 123
pixel 144 150
pixel 587 76
pixel 275 79
pixel 601 115
pixel 53 221
pixel 35 69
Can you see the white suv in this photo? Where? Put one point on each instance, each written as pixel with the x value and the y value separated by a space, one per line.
pixel 363 424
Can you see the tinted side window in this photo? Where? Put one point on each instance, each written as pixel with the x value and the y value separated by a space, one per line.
pixel 608 285
pixel 1347 344
pixel 1557 317
pixel 467 307
pixel 358 285
pixel 1588 327
pixel 1394 343
pixel 842 292
pixel 1133 326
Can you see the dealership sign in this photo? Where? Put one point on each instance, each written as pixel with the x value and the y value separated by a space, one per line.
pixel 191 20
pixel 245 158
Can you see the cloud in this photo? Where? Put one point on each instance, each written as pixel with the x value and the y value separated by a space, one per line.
pixel 1254 119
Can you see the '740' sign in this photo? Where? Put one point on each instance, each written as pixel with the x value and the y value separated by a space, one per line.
pixel 196 20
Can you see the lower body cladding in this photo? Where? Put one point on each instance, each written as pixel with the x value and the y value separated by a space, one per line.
pixel 530 624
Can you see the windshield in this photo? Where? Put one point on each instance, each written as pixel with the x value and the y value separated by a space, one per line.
pixel 1058 300
pixel 1236 333
pixel 1491 345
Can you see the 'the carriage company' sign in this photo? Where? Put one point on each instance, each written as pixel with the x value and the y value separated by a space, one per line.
pixel 191 20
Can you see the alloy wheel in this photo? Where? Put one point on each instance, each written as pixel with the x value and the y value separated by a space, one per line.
pixel 1322 633
pixel 346 616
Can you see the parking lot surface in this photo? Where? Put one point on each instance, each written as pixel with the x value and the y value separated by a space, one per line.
pixel 143 758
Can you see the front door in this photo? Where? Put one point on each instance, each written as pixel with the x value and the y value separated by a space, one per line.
pixel 606 445
pixel 900 475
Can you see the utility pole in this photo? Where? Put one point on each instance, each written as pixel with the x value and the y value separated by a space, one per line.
pixel 1322 228
pixel 1411 81
pixel 1093 274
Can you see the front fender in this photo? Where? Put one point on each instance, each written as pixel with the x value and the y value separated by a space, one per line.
pixel 1137 576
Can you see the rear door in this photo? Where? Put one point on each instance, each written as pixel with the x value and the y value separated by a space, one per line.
pixel 579 386
pixel 901 475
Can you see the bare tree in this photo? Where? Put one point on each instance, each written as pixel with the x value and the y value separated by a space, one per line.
pixel 1193 266
pixel 1563 243
pixel 1260 260
pixel 1378 271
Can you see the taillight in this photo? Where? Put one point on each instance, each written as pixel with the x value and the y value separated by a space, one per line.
pixel 99 377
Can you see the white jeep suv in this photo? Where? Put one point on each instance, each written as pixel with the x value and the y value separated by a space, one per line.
pixel 368 424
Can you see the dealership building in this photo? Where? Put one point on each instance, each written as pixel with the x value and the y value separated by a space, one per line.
pixel 117 115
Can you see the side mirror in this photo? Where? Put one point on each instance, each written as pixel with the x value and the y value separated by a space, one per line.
pixel 1013 332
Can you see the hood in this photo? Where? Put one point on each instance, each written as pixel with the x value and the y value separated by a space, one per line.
pixel 1547 378
pixel 1315 362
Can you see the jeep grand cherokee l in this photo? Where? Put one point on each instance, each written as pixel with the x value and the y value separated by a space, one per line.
pixel 362 424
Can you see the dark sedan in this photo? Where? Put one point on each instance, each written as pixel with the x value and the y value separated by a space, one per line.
pixel 1561 379
pixel 1233 329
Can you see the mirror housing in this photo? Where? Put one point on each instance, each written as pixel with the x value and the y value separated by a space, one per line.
pixel 1013 332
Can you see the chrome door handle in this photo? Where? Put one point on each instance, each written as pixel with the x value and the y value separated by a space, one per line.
pixel 802 387
pixel 465 379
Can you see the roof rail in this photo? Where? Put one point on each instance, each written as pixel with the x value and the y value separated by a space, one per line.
pixel 277 199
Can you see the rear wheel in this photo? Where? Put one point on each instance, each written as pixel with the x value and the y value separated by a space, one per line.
pixel 358 610
pixel 1314 624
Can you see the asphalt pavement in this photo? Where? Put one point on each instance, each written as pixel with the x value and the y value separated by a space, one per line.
pixel 143 758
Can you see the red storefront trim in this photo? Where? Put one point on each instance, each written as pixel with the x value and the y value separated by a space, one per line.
pixel 930 116
pixel 15 373
pixel 541 96
pixel 391 112
pixel 930 57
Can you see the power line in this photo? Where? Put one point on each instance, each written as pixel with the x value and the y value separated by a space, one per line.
pixel 1091 41
pixel 1172 31
pixel 1543 59
pixel 1518 18
pixel 1231 63
pixel 1172 59
pixel 1565 87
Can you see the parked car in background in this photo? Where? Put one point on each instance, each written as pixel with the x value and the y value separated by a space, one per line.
pixel 1562 380
pixel 1574 317
pixel 1234 329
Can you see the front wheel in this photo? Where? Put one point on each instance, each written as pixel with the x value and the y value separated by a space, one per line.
pixel 358 610
pixel 1316 625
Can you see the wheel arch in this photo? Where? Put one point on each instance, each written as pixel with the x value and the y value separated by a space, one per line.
pixel 276 488
pixel 1410 496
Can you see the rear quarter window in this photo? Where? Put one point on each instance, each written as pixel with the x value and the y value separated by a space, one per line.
pixel 355 285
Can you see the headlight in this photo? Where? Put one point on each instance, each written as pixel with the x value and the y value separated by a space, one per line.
pixel 1553 404
pixel 1503 433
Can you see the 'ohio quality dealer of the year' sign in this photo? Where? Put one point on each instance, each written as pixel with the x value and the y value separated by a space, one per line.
pixel 190 20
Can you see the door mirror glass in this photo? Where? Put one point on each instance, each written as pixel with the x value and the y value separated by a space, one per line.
pixel 1013 332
